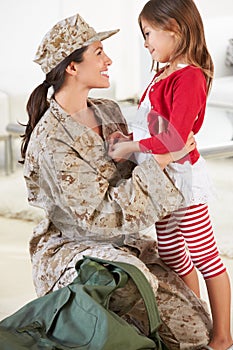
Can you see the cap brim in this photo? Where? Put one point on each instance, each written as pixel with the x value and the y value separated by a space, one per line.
pixel 101 36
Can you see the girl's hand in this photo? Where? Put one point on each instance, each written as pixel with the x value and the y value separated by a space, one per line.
pixel 121 151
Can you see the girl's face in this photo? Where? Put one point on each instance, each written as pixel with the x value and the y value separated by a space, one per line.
pixel 92 72
pixel 160 43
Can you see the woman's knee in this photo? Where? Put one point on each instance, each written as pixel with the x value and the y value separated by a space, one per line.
pixel 186 322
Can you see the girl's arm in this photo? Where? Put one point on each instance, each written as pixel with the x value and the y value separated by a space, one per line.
pixel 123 150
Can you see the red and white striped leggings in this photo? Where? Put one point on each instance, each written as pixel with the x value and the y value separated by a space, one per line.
pixel 189 228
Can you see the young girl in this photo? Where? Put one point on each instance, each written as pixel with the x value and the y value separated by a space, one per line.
pixel 172 106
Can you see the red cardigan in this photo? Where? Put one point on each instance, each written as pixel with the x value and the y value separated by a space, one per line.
pixel 181 100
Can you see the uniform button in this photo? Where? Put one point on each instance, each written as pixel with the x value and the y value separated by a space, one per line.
pixel 152 107
pixel 152 89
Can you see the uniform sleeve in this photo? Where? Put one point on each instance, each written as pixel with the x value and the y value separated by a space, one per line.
pixel 188 99
pixel 130 205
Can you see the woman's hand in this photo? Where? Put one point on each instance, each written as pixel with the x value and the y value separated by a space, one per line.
pixel 165 159
pixel 118 136
pixel 189 146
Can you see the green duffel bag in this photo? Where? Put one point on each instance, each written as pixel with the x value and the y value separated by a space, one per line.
pixel 77 316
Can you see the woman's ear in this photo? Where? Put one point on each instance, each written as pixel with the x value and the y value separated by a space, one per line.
pixel 72 68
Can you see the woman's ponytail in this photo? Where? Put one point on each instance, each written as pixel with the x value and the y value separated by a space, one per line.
pixel 36 107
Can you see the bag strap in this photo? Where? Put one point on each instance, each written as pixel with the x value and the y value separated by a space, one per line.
pixel 145 290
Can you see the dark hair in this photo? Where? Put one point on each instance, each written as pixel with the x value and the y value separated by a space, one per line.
pixel 188 26
pixel 38 102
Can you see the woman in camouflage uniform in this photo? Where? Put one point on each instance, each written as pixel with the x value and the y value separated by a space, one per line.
pixel 93 205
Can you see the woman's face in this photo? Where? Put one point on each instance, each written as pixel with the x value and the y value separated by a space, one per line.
pixel 93 70
pixel 160 43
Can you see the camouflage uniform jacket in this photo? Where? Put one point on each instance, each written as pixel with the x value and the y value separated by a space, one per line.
pixel 88 199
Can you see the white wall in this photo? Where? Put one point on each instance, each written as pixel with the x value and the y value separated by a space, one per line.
pixel 23 24
pixel 218 22
pixel 214 8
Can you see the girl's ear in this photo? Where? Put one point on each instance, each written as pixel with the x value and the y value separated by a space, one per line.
pixel 72 68
pixel 173 26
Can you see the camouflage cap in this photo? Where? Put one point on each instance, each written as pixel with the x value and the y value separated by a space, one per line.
pixel 65 37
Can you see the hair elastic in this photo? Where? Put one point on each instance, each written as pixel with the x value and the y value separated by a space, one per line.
pixel 46 84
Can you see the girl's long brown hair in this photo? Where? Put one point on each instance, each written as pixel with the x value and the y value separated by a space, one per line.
pixel 38 102
pixel 190 30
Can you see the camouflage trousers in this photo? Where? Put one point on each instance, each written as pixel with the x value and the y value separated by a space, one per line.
pixel 186 322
